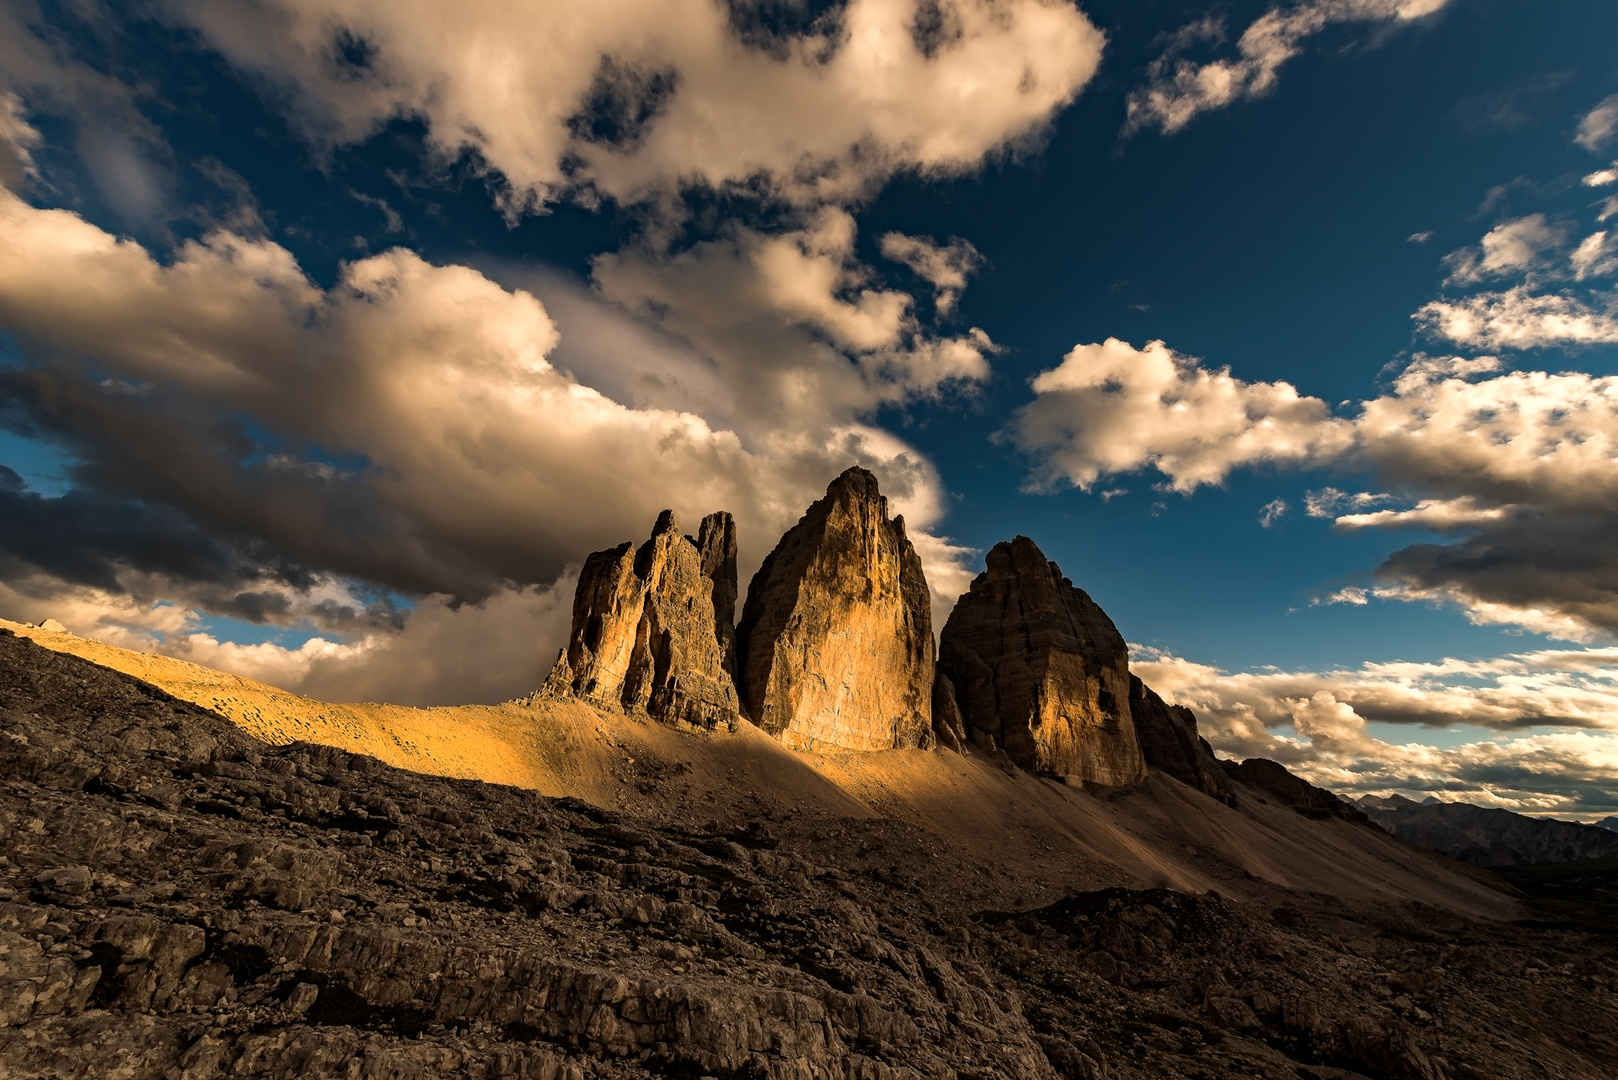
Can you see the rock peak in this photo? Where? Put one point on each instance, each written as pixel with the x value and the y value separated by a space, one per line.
pixel 836 641
pixel 651 627
pixel 1040 672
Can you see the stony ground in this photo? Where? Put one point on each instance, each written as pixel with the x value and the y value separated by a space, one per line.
pixel 180 900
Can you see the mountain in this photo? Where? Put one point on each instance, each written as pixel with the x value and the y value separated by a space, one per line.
pixel 180 898
pixel 1488 836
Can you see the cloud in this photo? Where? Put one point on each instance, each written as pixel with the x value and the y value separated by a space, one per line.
pixel 1513 247
pixel 1179 89
pixel 1599 125
pixel 945 268
pixel 405 427
pixel 634 98
pixel 444 654
pixel 18 140
pixel 1568 771
pixel 1520 466
pixel 1596 256
pixel 1110 408
pixel 1519 318
pixel 1271 512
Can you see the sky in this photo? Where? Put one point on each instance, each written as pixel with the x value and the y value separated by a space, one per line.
pixel 335 333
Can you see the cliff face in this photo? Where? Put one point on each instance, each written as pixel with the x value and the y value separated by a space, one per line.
pixel 1040 670
pixel 1169 742
pixel 836 642
pixel 651 626
pixel 1288 789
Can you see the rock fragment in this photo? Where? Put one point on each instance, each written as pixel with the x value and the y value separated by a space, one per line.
pixel 836 638
pixel 1040 672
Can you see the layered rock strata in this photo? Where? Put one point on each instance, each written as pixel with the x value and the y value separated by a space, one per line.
pixel 652 627
pixel 1040 672
pixel 836 639
pixel 1169 742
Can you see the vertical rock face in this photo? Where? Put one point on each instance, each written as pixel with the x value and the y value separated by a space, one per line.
pixel 1169 741
pixel 648 635
pixel 836 638
pixel 1039 668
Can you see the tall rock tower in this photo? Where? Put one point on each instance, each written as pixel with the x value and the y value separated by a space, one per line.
pixel 836 639
pixel 1039 668
pixel 652 626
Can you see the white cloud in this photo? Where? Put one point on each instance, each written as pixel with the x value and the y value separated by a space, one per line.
pixel 18 140
pixel 1420 237
pixel 1521 465
pixel 945 268
pixel 1316 723
pixel 1111 408
pixel 1180 89
pixel 1518 318
pixel 1599 126
pixel 421 439
pixel 1602 177
pixel 1271 512
pixel 638 97
pixel 1512 247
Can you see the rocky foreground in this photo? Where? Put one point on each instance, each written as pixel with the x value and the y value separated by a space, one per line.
pixel 178 899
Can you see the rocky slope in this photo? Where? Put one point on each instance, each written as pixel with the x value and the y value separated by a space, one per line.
pixel 178 899
pixel 1294 792
pixel 836 640
pixel 1040 672
pixel 1488 836
pixel 651 628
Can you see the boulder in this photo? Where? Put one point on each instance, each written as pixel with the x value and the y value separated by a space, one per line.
pixel 1040 672
pixel 648 633
pixel 836 637
pixel 1169 742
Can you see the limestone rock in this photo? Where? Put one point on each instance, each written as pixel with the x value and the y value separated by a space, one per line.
pixel 836 637
pixel 647 634
pixel 1040 671
pixel 948 728
pixel 1169 741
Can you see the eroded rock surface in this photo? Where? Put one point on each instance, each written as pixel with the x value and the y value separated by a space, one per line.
pixel 1289 789
pixel 652 626
pixel 836 638
pixel 1169 742
pixel 1040 672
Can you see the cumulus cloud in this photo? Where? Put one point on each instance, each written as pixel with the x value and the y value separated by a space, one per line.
pixel 1179 88
pixel 404 428
pixel 1520 466
pixel 1112 408
pixel 630 98
pixel 1316 722
pixel 1599 126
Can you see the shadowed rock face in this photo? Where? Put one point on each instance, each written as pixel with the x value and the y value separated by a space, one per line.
pixel 1169 742
pixel 1040 670
pixel 836 638
pixel 1488 835
pixel 651 626
pixel 1288 789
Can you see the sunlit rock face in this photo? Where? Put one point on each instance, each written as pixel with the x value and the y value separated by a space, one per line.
pixel 1041 672
pixel 836 637
pixel 1170 743
pixel 652 626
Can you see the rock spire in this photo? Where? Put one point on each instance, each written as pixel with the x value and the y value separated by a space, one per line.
pixel 652 626
pixel 835 645
pixel 1041 672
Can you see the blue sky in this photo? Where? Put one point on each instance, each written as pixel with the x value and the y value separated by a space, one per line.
pixel 360 323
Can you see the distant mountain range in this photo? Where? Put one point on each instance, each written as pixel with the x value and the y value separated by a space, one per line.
pixel 1489 836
